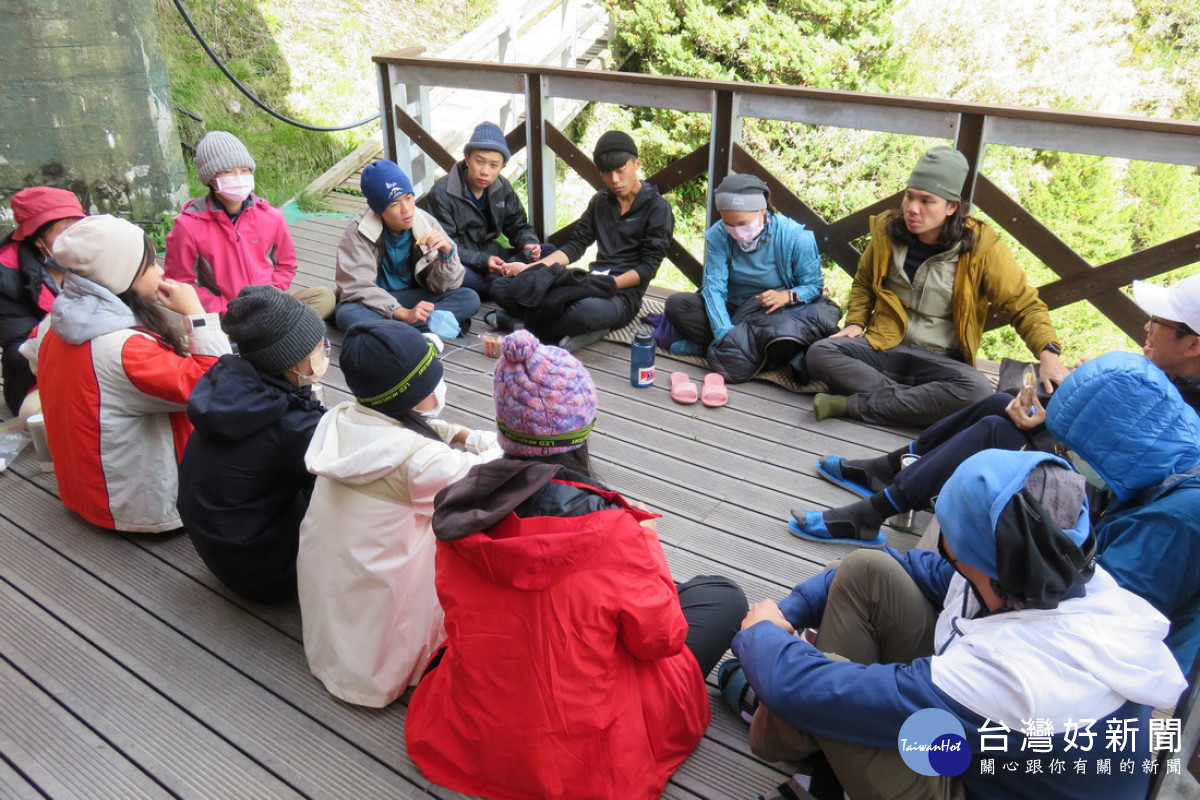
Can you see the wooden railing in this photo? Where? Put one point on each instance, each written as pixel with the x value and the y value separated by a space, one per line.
pixel 547 32
pixel 971 128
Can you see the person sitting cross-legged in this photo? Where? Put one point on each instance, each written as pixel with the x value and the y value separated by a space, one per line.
pixel 395 262
pixel 1172 344
pixel 631 225
pixel 231 238
pixel 923 290
pixel 477 205
pixel 1010 638
pixel 761 303
pixel 573 665
pixel 243 486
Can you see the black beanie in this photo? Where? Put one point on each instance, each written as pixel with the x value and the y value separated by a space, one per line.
pixel 615 142
pixel 389 366
pixel 273 331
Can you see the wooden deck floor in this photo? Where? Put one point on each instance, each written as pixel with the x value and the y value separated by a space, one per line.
pixel 127 671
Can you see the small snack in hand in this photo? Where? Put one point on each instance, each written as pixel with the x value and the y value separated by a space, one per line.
pixel 1029 390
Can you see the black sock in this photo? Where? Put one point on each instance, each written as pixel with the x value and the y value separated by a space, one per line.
pixel 894 458
pixel 859 520
pixel 873 473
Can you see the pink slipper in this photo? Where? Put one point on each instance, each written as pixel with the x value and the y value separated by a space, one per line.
pixel 683 389
pixel 715 394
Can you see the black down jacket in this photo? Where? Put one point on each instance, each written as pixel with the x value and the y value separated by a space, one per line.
pixel 761 341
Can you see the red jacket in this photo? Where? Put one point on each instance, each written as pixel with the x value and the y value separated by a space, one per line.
pixel 219 256
pixel 113 396
pixel 565 673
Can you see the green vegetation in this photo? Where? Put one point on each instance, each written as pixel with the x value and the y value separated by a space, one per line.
pixel 309 61
pixel 1110 56
pixel 312 62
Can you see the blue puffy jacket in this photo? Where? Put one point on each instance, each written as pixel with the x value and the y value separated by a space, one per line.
pixel 1125 417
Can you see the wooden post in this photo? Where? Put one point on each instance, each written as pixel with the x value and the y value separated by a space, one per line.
pixel 395 146
pixel 971 141
pixel 724 130
pixel 387 115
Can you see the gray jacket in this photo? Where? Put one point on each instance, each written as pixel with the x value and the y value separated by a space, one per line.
pixel 359 254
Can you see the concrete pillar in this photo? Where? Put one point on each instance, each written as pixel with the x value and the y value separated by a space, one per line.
pixel 85 105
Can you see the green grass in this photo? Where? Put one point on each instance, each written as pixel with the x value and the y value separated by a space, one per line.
pixel 310 61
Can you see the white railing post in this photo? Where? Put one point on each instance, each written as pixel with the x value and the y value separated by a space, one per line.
pixel 414 99
pixel 539 111
pixel 507 47
pixel 569 24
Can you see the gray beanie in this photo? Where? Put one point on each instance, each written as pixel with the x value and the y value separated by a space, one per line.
pixel 219 151
pixel 273 330
pixel 487 136
pixel 742 193
pixel 941 171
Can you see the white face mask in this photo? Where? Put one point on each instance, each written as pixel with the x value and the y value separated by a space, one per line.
pixel 439 392
pixel 235 188
pixel 319 363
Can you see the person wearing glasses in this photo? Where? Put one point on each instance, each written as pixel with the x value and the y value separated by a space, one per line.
pixel 243 486
pixel 1171 344
pixel 1012 638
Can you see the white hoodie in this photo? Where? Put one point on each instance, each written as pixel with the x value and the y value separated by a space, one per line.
pixel 1084 659
pixel 365 568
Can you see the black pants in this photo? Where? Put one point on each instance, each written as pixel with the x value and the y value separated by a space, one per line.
pixel 688 314
pixel 906 385
pixel 948 443
pixel 714 608
pixel 18 377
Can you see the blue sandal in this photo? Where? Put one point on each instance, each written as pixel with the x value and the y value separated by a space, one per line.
pixel 830 468
pixel 814 530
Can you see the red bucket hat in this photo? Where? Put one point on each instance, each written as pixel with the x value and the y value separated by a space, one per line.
pixel 34 207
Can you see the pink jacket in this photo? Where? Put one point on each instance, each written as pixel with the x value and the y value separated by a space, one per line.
pixel 219 257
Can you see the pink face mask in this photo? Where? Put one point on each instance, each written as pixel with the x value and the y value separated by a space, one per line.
pixel 744 233
pixel 235 188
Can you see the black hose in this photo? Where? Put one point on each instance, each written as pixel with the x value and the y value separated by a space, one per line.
pixel 187 113
pixel 192 27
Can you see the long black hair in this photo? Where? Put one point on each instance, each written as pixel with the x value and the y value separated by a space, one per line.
pixel 150 315
pixel 417 424
pixel 954 231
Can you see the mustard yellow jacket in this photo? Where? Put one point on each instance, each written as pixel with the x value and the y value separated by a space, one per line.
pixel 987 275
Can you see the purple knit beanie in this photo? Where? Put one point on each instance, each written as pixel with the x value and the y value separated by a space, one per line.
pixel 545 399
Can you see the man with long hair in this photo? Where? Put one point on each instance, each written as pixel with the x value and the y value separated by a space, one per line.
pixel 923 291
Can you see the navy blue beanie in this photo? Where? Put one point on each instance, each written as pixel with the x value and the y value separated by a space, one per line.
pixel 488 136
pixel 389 366
pixel 382 182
